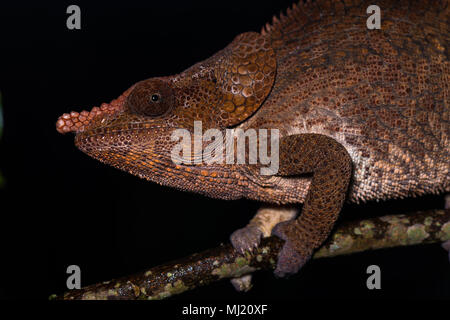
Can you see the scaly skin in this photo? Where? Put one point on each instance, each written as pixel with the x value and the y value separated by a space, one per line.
pixel 383 94
pixel 365 112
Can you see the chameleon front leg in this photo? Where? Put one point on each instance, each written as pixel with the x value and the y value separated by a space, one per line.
pixel 260 226
pixel 331 168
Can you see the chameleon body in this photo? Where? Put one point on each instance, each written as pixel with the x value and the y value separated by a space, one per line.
pixel 362 115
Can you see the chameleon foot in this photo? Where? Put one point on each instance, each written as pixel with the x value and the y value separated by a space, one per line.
pixel 246 239
pixel 291 258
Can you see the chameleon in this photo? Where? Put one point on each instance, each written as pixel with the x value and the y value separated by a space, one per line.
pixel 362 115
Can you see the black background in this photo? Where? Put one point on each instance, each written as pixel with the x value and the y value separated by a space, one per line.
pixel 60 207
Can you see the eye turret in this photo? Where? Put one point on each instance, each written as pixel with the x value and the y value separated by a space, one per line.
pixel 155 97
pixel 150 98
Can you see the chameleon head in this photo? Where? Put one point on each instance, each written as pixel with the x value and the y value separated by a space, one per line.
pixel 133 132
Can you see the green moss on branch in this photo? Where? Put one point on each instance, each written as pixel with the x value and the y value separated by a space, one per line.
pixel 224 262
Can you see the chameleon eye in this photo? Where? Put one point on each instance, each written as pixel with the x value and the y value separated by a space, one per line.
pixel 150 98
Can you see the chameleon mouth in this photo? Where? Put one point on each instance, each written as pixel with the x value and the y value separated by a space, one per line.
pixel 79 121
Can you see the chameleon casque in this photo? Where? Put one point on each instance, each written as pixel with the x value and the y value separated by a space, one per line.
pixel 362 115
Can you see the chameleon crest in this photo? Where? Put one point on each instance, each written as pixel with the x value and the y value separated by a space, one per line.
pixel 221 91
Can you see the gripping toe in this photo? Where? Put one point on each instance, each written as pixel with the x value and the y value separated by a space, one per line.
pixel 290 259
pixel 246 239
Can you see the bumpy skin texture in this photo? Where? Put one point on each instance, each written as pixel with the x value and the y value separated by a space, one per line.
pixel 329 85
pixel 331 167
pixel 383 94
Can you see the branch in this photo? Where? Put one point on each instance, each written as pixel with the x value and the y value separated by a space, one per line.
pixel 224 262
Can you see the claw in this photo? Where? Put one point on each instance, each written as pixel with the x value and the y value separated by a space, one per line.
pixel 290 260
pixel 246 239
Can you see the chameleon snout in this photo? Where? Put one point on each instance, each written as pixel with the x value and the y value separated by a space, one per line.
pixel 78 121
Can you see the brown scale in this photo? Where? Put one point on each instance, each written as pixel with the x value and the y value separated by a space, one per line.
pixel 343 97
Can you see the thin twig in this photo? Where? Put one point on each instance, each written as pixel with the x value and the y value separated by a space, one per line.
pixel 224 262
